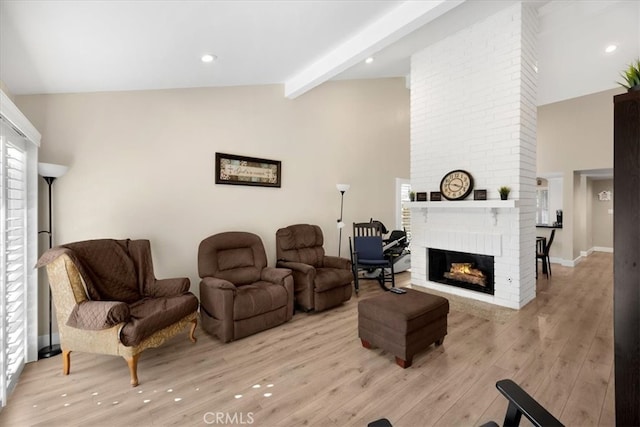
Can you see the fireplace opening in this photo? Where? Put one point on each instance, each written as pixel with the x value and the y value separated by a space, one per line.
pixel 464 270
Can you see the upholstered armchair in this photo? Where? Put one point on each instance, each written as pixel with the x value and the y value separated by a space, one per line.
pixel 108 300
pixel 320 281
pixel 239 294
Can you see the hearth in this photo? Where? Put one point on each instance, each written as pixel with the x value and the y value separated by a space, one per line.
pixel 461 269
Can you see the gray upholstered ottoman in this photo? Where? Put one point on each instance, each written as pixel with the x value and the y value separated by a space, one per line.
pixel 403 324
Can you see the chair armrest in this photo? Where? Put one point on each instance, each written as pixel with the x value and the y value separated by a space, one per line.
pixel 215 283
pixel 217 300
pixel 335 262
pixel 97 315
pixel 274 275
pixel 304 275
pixel 169 287
pixel 295 266
pixel 521 403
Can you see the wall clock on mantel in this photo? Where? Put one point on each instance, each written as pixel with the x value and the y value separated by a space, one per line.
pixel 456 185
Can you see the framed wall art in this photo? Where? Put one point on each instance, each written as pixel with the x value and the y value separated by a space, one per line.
pixel 242 170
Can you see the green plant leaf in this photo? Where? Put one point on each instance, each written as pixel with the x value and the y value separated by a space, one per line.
pixel 631 75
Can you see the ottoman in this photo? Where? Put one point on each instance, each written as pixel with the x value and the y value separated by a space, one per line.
pixel 403 324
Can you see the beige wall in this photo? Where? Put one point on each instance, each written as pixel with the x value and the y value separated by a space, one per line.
pixel 575 135
pixel 590 206
pixel 601 218
pixel 580 207
pixel 142 163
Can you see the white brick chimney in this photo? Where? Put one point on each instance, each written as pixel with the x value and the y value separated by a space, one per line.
pixel 473 107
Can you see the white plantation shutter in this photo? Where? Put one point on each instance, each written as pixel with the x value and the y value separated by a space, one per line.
pixel 13 251
pixel 405 212
pixel 19 142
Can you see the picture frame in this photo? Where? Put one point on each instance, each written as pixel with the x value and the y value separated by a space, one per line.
pixel 479 194
pixel 435 196
pixel 421 197
pixel 233 169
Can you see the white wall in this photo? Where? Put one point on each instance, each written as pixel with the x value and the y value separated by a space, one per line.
pixel 142 163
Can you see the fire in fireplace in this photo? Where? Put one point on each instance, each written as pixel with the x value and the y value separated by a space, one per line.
pixel 464 270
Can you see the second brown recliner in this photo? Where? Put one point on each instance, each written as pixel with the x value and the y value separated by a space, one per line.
pixel 320 281
pixel 239 294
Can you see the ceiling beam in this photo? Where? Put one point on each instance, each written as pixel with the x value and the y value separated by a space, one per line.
pixel 402 20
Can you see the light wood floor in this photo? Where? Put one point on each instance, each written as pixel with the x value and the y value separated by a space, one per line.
pixel 314 371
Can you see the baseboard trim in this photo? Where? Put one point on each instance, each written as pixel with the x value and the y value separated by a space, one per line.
pixel 586 253
pixel 603 249
pixel 569 263
pixel 583 254
pixel 563 262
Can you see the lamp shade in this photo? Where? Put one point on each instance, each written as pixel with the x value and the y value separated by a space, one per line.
pixel 52 170
pixel 343 187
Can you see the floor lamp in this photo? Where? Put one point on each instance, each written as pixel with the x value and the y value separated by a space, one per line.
pixel 50 172
pixel 342 188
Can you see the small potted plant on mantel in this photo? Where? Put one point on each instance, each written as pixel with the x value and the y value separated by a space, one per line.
pixel 631 77
pixel 504 192
pixel 412 196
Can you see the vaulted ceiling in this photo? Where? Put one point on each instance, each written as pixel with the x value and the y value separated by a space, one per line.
pixel 56 46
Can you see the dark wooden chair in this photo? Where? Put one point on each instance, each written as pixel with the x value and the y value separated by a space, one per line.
pixel 543 255
pixel 520 403
pixel 367 254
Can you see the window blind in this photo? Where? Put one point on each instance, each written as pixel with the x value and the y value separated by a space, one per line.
pixel 19 142
pixel 13 251
pixel 405 213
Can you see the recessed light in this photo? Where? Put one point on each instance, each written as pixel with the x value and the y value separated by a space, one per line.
pixel 369 60
pixel 610 48
pixel 208 58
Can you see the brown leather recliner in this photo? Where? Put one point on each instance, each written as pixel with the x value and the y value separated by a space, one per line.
pixel 108 300
pixel 320 281
pixel 239 294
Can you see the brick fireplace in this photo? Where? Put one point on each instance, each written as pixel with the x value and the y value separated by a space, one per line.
pixel 473 107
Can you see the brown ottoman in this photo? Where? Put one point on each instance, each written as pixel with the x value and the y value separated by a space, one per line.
pixel 403 324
